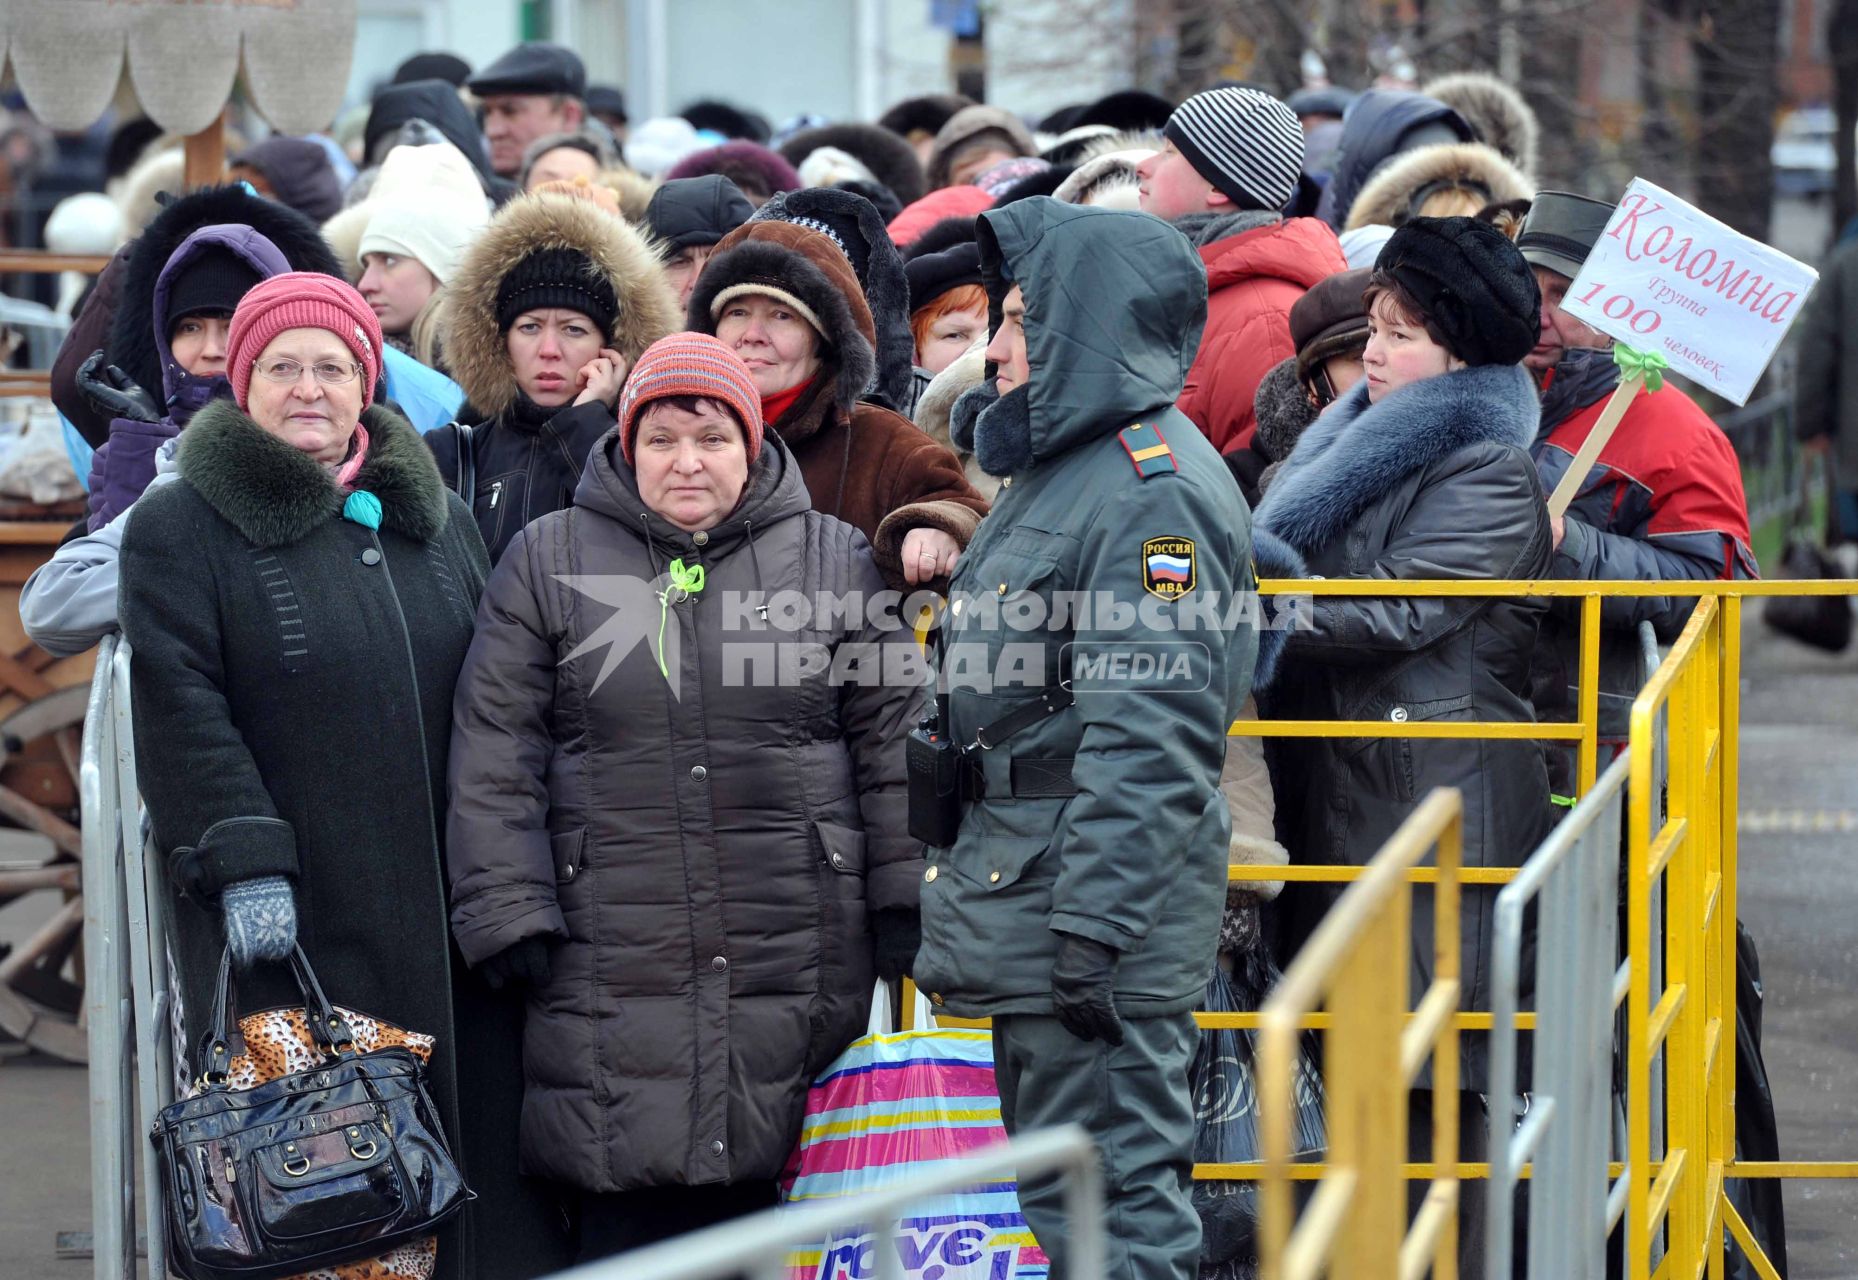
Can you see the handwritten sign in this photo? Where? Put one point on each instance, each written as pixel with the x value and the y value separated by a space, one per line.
pixel 1667 277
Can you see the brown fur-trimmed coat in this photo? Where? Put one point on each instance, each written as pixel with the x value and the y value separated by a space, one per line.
pixel 872 468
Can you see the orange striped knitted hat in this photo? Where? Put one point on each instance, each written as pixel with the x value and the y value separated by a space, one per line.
pixel 690 364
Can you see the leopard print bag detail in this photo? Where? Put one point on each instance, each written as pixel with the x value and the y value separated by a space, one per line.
pixel 278 1043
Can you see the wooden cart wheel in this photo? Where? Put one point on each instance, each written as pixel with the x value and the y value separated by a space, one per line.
pixel 42 977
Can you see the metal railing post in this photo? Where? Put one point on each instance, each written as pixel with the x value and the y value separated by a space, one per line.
pixel 107 1006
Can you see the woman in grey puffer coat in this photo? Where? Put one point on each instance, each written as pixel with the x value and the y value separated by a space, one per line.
pixel 678 815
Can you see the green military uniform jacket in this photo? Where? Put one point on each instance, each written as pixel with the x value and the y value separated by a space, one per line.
pixel 1117 554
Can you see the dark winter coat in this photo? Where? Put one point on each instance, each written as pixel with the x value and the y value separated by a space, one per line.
pixel 1257 266
pixel 706 848
pixel 1380 124
pixel 292 681
pixel 1432 482
pixel 115 317
pixel 1826 377
pixel 1136 859
pixel 530 458
pixel 862 463
pixel 1664 501
pixel 122 468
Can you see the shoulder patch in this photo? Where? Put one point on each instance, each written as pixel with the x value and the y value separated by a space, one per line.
pixel 1148 450
pixel 1168 566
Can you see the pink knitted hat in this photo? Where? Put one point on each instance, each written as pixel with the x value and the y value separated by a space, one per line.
pixel 302 300
pixel 690 364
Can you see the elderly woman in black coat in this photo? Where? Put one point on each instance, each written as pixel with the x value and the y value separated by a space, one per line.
pixel 1420 471
pixel 300 601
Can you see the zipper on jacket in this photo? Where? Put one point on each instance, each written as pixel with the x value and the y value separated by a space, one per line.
pixel 496 493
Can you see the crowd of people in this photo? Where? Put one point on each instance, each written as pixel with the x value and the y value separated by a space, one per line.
pixel 385 426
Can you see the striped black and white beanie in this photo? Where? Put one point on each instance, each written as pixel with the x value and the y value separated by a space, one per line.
pixel 1246 143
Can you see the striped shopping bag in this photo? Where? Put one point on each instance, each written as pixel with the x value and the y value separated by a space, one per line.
pixel 890 1106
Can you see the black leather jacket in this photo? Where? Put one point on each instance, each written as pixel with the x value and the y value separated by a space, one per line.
pixel 529 460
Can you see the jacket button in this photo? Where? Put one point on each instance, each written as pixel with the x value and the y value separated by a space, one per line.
pixel 1003 588
pixel 370 557
pixel 935 997
pixel 994 878
pixel 1007 483
pixel 702 539
pixel 717 1147
pixel 699 772
pixel 567 872
pixel 838 860
pixel 1397 715
pixel 720 963
pixel 929 876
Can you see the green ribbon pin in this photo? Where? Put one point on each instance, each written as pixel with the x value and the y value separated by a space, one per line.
pixel 1647 366
pixel 687 581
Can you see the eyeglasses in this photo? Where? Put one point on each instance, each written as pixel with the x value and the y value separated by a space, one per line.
pixel 331 373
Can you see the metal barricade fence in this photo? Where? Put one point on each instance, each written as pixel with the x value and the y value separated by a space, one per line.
pixel 758 1246
pixel 1573 883
pixel 1356 965
pixel 126 980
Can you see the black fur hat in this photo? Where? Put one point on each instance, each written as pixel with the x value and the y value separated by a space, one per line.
pixel 891 160
pixel 1126 111
pixel 132 331
pixel 926 114
pixel 1472 284
pixel 728 120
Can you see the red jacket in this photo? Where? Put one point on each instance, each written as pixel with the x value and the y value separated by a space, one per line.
pixel 1252 280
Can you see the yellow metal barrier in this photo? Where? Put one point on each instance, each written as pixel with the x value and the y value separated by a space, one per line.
pixel 1676 1198
pixel 1356 965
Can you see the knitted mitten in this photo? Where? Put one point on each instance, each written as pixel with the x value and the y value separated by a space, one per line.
pixel 261 919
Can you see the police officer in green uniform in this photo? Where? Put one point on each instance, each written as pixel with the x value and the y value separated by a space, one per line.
pixel 1099 644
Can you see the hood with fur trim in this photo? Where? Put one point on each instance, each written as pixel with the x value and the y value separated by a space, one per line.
pixel 878 268
pixel 135 346
pixel 1502 118
pixel 474 345
pixel 275 495
pixel 1391 196
pixel 805 263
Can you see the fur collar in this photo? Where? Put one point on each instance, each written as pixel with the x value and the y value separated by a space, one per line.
pixel 274 495
pixel 1353 454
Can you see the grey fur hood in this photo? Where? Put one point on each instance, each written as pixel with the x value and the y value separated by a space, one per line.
pixel 1502 118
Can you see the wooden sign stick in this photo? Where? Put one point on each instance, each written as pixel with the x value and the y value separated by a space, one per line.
pixel 1589 452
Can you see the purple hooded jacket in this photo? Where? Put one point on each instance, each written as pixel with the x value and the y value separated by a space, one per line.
pixel 125 463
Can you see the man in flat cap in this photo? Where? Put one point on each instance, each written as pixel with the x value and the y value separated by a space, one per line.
pixel 532 90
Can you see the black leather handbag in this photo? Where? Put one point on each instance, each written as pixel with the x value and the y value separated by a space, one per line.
pixel 340 1161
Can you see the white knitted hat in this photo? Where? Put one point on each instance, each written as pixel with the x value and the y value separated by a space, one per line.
pixel 435 237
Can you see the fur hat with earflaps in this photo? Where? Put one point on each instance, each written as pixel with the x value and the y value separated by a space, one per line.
pixel 1500 115
pixel 550 250
pixel 805 269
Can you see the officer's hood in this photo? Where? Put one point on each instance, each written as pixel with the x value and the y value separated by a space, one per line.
pixel 1115 302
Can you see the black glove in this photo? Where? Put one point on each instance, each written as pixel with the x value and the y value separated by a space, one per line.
pixel 899 933
pixel 113 393
pixel 522 964
pixel 1083 987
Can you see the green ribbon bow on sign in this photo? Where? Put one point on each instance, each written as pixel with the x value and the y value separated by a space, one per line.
pixel 686 581
pixel 1647 366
